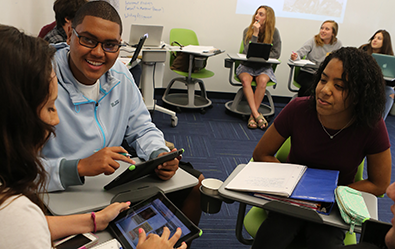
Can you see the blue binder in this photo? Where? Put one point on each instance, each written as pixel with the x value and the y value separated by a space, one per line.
pixel 317 185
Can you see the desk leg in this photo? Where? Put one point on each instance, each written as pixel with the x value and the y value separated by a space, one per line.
pixel 148 88
pixel 239 225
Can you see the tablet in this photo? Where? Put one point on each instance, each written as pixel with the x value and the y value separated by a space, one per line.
pixel 152 215
pixel 137 171
pixel 259 50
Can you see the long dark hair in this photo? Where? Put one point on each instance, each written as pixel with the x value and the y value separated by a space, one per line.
pixel 386 48
pixel 25 76
pixel 364 81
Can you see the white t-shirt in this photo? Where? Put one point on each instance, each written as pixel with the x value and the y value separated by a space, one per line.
pixel 23 225
pixel 90 91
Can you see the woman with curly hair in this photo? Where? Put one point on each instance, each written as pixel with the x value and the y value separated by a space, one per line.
pixel 28 91
pixel 380 43
pixel 315 50
pixel 262 29
pixel 336 128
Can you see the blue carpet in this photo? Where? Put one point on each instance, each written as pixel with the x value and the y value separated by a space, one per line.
pixel 215 143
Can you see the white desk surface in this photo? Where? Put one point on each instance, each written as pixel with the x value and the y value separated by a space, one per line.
pixel 235 56
pixel 92 197
pixel 333 219
pixel 295 64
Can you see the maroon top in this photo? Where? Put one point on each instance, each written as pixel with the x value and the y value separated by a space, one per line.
pixel 311 146
pixel 44 30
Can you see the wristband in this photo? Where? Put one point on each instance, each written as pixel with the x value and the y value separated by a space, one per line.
pixel 93 216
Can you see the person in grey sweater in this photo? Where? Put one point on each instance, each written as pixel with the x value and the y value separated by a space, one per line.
pixel 262 29
pixel 315 50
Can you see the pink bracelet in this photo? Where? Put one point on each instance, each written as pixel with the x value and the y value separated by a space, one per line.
pixel 93 216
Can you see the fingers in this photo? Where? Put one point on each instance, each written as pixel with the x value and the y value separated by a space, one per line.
pixel 173 240
pixel 183 246
pixel 142 237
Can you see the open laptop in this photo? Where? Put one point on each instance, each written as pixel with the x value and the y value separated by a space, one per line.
pixel 259 50
pixel 387 65
pixel 154 34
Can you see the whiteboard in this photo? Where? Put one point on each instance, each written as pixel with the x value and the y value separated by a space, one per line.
pixel 217 24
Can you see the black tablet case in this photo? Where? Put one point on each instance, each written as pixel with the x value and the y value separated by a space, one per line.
pixel 259 50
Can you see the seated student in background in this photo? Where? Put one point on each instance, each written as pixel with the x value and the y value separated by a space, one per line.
pixel 315 50
pixel 28 90
pixel 101 106
pixel 64 13
pixel 335 128
pixel 380 43
pixel 262 29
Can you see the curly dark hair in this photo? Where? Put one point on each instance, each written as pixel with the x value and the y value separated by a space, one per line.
pixel 364 81
pixel 25 76
pixel 66 9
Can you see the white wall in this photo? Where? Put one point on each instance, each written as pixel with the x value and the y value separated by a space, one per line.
pixel 216 23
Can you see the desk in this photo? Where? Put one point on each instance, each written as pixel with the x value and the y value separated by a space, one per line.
pixel 238 104
pixel 333 219
pixel 92 197
pixel 292 65
pixel 150 58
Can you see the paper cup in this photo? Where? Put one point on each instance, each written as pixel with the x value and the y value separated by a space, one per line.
pixel 210 186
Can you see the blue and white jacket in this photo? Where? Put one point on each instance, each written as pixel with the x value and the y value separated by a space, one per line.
pixel 86 125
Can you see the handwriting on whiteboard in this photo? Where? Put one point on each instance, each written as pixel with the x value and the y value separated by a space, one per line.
pixel 141 10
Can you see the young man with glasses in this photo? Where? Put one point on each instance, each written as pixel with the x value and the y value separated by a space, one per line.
pixel 101 106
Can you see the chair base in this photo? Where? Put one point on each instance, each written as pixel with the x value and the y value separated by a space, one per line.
pixel 244 109
pixel 189 99
pixel 182 100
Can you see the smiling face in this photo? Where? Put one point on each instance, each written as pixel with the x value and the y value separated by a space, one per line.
pixel 331 94
pixel 89 64
pixel 326 32
pixel 260 16
pixel 377 41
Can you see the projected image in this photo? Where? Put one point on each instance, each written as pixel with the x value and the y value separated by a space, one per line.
pixel 319 10
pixel 318 7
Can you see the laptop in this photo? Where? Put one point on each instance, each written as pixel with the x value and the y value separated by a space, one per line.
pixel 259 50
pixel 154 34
pixel 387 64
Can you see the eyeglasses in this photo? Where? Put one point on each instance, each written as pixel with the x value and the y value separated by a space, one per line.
pixel 109 47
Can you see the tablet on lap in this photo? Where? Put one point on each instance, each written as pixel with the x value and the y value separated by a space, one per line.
pixel 152 215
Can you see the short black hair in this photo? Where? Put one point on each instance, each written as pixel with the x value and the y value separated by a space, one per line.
pixel 364 81
pixel 100 9
pixel 66 9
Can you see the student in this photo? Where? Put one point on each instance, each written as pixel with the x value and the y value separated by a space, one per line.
pixel 262 29
pixel 101 106
pixel 28 90
pixel 315 50
pixel 380 43
pixel 335 128
pixel 64 13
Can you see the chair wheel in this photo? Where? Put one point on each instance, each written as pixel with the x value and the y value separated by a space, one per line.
pixel 174 121
pixel 203 111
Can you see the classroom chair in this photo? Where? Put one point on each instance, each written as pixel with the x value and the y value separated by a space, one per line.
pixel 239 104
pixel 256 215
pixel 190 79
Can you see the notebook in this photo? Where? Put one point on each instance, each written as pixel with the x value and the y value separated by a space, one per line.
pixel 259 50
pixel 154 34
pixel 386 63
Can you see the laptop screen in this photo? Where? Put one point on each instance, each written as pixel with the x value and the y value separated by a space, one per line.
pixel 154 34
pixel 386 63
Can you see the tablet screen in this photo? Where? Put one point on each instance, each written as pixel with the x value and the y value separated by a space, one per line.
pixel 152 215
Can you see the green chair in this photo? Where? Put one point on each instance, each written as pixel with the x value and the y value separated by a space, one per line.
pixel 255 216
pixel 239 105
pixel 190 79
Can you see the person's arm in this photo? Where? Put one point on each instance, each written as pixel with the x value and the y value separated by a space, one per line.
pixel 268 145
pixel 305 49
pixel 168 169
pixel 275 52
pixel 62 226
pixel 379 174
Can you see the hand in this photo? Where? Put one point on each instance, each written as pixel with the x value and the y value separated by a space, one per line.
pixel 103 161
pixel 168 169
pixel 294 56
pixel 255 27
pixel 106 215
pixel 162 242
